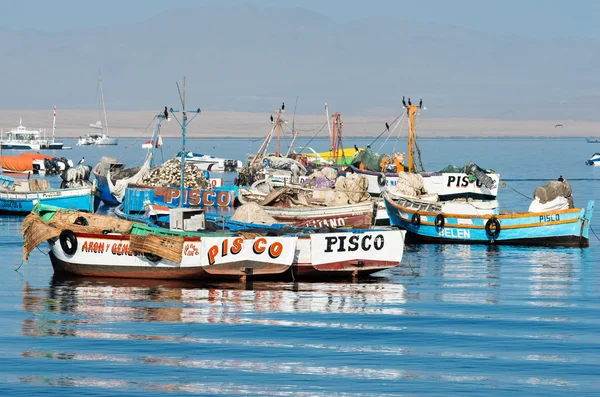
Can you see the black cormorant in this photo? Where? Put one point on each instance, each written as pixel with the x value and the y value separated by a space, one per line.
pixel 282 105
pixel 403 101
pixel 420 103
pixel 387 126
pixel 271 119
pixel 409 104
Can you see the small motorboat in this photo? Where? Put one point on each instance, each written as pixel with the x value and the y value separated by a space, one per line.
pixel 594 160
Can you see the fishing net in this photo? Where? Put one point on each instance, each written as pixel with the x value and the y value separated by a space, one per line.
pixel 117 188
pixel 370 160
pixel 252 213
pixel 552 190
pixel 86 222
pixel 167 247
pixel 408 184
pixel 35 231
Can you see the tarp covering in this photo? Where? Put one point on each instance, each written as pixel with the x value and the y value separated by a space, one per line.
pixel 17 163
pixel 253 213
pixel 552 190
pixel 118 188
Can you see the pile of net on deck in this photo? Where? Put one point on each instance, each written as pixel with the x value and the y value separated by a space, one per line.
pixel 283 166
pixel 253 213
pixel 474 172
pixel 408 184
pixel 350 189
pixel 77 176
pixel 118 187
pixel 169 174
pixel 370 160
pixel 555 195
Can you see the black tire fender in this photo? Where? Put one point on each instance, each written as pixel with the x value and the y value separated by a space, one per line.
pixel 68 242
pixel 440 221
pixel 152 257
pixel 492 227
pixel 381 179
pixel 415 219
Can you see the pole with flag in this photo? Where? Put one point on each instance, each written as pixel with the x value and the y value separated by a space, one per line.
pixel 54 124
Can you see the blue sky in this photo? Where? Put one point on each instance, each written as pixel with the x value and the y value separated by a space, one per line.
pixel 543 19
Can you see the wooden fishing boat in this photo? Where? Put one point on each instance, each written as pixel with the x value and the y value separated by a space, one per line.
pixel 18 197
pixel 103 246
pixel 426 223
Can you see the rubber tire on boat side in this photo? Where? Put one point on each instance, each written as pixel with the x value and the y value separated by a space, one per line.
pixel 152 257
pixel 68 242
pixel 440 221
pixel 415 219
pixel 488 227
pixel 381 179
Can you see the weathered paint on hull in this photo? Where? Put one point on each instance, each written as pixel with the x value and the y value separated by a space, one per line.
pixel 334 221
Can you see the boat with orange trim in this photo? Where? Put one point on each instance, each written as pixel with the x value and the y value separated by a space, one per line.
pixel 426 222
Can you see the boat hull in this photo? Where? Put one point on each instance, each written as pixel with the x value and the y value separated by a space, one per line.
pixel 103 191
pixel 569 228
pixel 322 255
pixel 353 215
pixel 23 203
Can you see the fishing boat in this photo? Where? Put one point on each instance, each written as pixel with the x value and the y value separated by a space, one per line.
pixel 99 137
pixel 592 140
pixel 21 138
pixel 102 246
pixel 34 163
pixel 427 222
pixel 453 182
pixel 594 160
pixel 18 196
pixel 210 163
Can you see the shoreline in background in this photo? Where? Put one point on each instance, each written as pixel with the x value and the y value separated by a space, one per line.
pixel 220 124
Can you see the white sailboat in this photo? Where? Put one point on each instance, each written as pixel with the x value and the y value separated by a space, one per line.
pixel 101 137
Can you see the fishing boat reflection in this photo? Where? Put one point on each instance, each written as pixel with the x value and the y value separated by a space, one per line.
pixel 82 302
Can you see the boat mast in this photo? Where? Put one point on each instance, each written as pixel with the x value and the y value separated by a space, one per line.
pixel 337 138
pixel 54 124
pixel 183 125
pixel 411 112
pixel 103 106
pixel 329 127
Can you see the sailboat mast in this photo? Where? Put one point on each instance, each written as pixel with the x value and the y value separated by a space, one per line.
pixel 328 126
pixel 411 111
pixel 54 124
pixel 103 106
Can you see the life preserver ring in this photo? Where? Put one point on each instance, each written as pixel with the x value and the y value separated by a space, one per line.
pixel 492 227
pixel 68 242
pixel 381 179
pixel 440 221
pixel 415 219
pixel 152 257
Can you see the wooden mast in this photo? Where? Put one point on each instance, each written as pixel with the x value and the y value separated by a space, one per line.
pixel 411 112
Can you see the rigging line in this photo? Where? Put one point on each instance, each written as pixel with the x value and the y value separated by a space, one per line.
pixel 392 131
pixel 136 139
pixel 516 191
pixel 304 147
pixel 594 233
pixel 419 154
pixel 384 130
pixel 398 137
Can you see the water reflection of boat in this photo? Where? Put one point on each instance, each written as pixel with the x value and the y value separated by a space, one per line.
pixel 101 300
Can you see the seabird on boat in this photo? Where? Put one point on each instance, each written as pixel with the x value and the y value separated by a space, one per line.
pixel 409 104
pixel 420 103
pixel 81 161
pixel 387 126
pixel 282 105
pixel 271 119
pixel 403 101
pixel 166 113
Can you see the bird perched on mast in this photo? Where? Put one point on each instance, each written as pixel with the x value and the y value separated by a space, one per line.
pixel 403 101
pixel 282 105
pixel 166 113
pixel 409 104
pixel 420 103
pixel 271 119
pixel 387 126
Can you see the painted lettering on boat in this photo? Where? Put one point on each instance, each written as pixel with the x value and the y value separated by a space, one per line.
pixel 191 250
pixel 461 182
pixel 354 242
pixel 93 247
pixel 337 222
pixel 197 197
pixel 234 247
pixel 10 204
pixel 550 218
pixel 451 232
pixel 122 249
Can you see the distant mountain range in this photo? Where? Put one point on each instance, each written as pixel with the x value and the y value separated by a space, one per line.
pixel 247 58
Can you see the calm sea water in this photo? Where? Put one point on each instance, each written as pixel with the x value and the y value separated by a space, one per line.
pixel 449 320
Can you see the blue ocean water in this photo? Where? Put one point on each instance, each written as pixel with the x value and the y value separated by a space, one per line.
pixel 449 320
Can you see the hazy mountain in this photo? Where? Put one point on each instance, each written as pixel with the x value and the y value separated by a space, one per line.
pixel 247 58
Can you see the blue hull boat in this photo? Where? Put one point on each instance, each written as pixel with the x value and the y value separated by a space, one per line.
pixel 569 228
pixel 16 199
